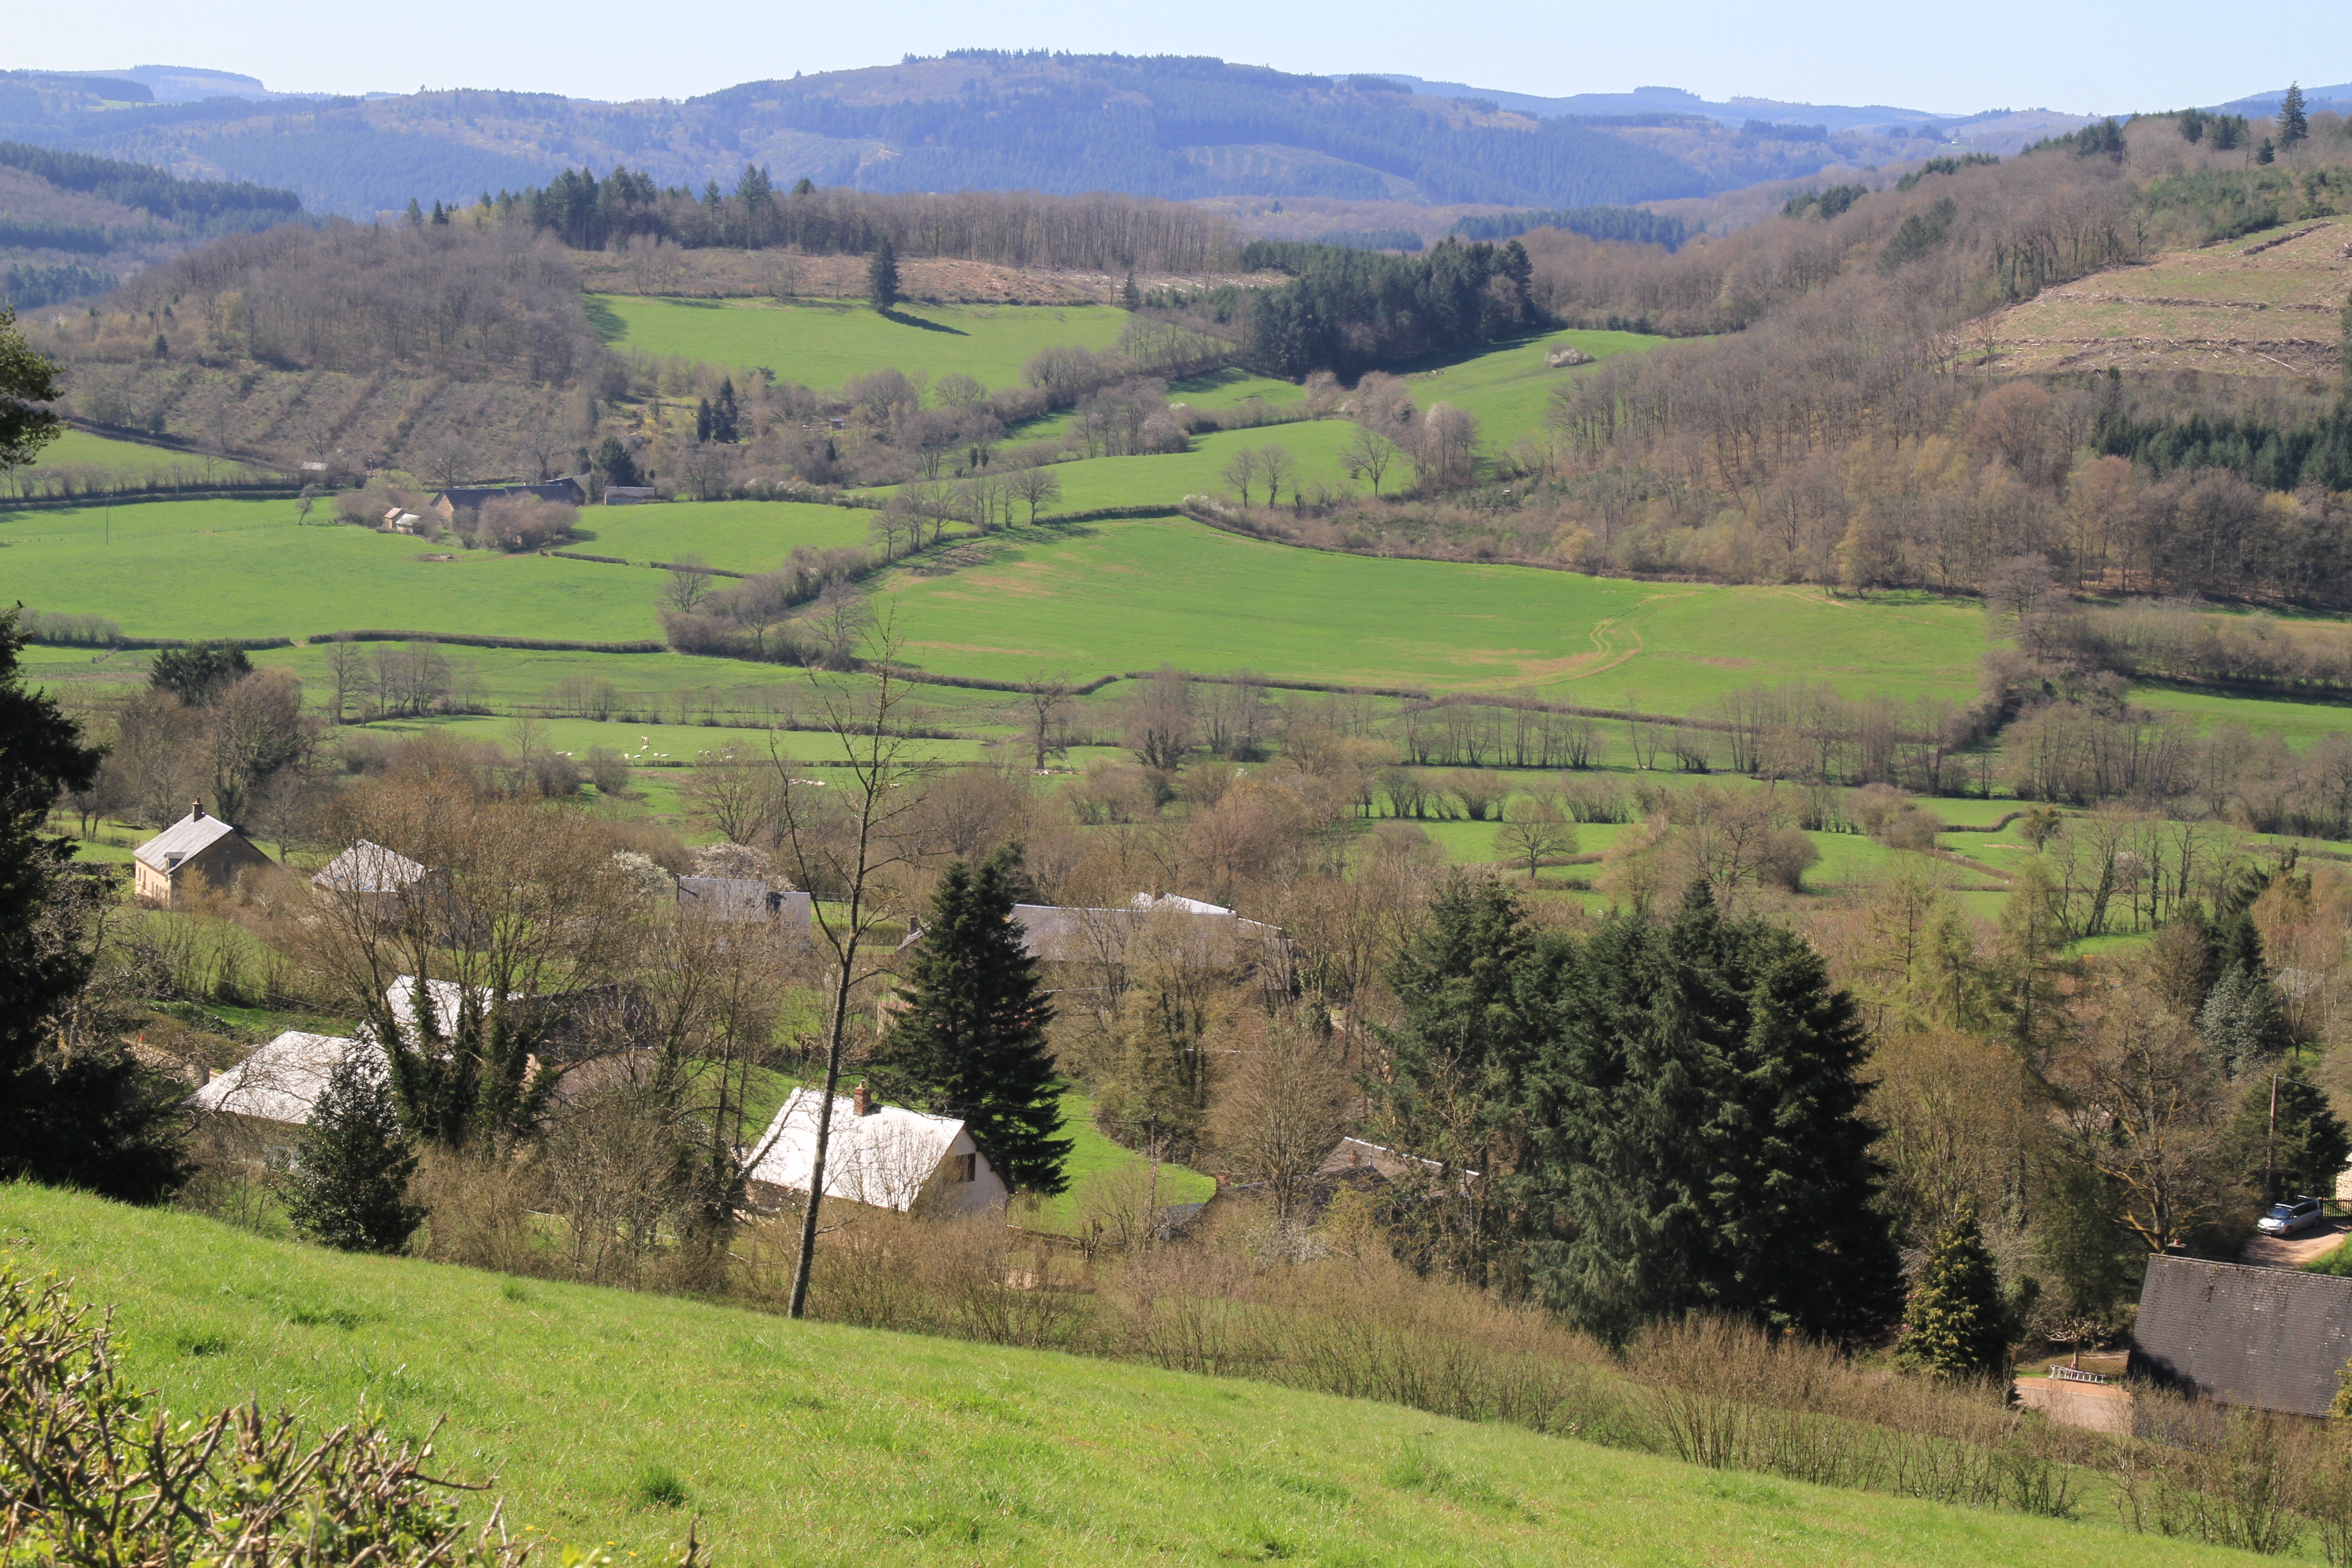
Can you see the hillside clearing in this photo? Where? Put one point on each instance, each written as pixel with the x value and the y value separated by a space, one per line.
pixel 2217 309
pixel 825 342
pixel 813 1444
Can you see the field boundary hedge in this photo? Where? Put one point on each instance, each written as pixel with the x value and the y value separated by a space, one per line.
pixel 150 492
pixel 464 639
pixel 141 645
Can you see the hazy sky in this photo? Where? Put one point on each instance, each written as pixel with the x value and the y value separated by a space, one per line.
pixel 2075 55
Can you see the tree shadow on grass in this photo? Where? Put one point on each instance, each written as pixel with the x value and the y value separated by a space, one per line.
pixel 904 320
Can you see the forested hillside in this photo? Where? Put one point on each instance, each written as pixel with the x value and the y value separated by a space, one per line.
pixel 72 225
pixel 981 120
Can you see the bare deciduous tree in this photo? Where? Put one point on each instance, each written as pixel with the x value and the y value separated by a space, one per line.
pixel 846 841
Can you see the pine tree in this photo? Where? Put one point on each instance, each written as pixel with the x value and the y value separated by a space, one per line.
pixel 882 276
pixel 1700 1141
pixel 2294 124
pixel 2242 1022
pixel 971 1043
pixel 2303 1150
pixel 416 213
pixel 92 1117
pixel 1131 298
pixel 726 414
pixel 349 1186
pixel 2266 154
pixel 702 419
pixel 1957 1325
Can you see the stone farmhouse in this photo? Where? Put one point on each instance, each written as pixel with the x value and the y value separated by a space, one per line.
pixel 450 503
pixel 196 853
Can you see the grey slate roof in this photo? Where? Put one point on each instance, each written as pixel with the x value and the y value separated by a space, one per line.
pixel 2270 1338
pixel 182 841
pixel 368 868
pixel 466 497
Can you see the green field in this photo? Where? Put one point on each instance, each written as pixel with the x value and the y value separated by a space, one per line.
pixel 1128 595
pixel 2302 723
pixel 732 535
pixel 1510 389
pixel 240 568
pixel 1164 480
pixel 807 1443
pixel 130 461
pixel 827 342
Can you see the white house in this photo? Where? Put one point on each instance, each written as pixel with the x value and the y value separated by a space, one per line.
pixel 281 1081
pixel 883 1155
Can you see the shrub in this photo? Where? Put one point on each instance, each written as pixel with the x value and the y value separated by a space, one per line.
pixel 93 1475
pixel 523 522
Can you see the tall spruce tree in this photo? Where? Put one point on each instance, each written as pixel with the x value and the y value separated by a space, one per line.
pixel 349 1185
pixel 1701 1141
pixel 93 1117
pixel 2301 1149
pixel 1957 1325
pixel 882 276
pixel 2294 123
pixel 971 1041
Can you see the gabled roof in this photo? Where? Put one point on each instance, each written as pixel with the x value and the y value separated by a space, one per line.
pixel 2271 1338
pixel 883 1158
pixel 280 1081
pixel 368 868
pixel 182 841
pixel 445 996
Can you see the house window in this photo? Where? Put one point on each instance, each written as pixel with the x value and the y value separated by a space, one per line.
pixel 963 1167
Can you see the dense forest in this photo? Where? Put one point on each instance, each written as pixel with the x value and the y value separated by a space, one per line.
pixel 72 225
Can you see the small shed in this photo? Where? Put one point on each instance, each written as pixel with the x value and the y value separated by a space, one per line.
pixel 882 1156
pixel 473 498
pixel 280 1082
pixel 196 853
pixel 372 874
pixel 745 898
pixel 2273 1339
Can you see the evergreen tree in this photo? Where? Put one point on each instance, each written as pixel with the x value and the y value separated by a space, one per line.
pixel 726 414
pixel 28 385
pixel 971 1043
pixel 1472 987
pixel 195 673
pixel 92 1117
pixel 2303 1150
pixel 1131 298
pixel 349 1187
pixel 1957 1325
pixel 803 186
pixel 613 464
pixel 2294 124
pixel 1702 1145
pixel 2243 1023
pixel 702 419
pixel 882 276
pixel 416 213
pixel 2266 154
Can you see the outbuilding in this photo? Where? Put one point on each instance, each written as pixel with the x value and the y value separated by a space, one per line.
pixel 882 1156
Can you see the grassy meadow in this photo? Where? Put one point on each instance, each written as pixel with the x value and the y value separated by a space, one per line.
pixel 813 1444
pixel 129 462
pixel 252 569
pixel 825 342
pixel 1509 388
pixel 1129 595
pixel 732 535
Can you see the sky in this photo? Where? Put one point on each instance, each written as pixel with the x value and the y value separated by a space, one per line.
pixel 2078 55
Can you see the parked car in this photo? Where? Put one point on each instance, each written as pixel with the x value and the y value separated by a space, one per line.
pixel 2285 1219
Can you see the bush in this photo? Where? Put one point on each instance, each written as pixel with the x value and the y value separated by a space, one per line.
pixel 523 522
pixel 93 1475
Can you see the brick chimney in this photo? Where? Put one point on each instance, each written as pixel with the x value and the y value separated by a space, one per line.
pixel 860 1100
pixel 197 810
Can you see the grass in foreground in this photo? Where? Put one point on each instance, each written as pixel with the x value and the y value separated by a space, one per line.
pixel 132 463
pixel 608 1415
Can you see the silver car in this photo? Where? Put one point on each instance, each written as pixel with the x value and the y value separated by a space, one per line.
pixel 2285 1219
